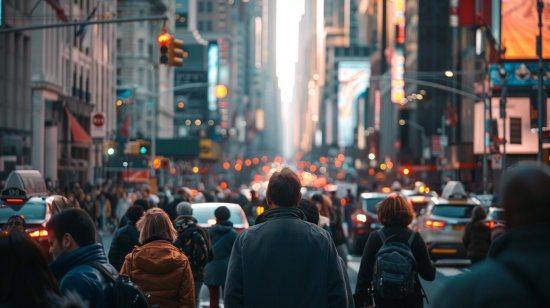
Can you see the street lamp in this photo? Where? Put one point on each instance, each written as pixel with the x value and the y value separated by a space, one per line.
pixel 449 74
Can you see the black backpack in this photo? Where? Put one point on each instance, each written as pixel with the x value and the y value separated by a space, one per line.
pixel 189 232
pixel 394 273
pixel 125 292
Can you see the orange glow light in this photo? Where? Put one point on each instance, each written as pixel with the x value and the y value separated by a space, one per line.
pixel 194 192
pixel 371 171
pixel 220 91
pixel 312 168
pixel 260 210
pixel 226 165
pixel 341 157
pixel 361 218
pixel 156 163
pixel 389 165
pixel 386 190
pixel 255 161
pixel 434 224
pixel 266 168
pixel 173 171
pixel 164 39
pixel 238 167
pixel 39 233
pixel 247 162
pixel 418 199
pixel 223 185
pixel 211 222
pixel 427 190
pixel 338 164
pixel 323 160
pixel 343 202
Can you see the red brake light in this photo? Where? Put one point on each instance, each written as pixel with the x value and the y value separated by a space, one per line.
pixel 39 233
pixel 14 200
pixel 490 224
pixel 434 224
pixel 361 218
pixel 418 199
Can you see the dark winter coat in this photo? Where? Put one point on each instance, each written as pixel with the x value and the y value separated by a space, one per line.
pixel 194 242
pixel 295 259
pixel 337 227
pixel 477 239
pixel 223 237
pixel 515 276
pixel 76 277
pixel 124 241
pixel 425 268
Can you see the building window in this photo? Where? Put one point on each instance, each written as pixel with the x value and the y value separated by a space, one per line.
pixel 209 7
pixel 140 46
pixel 200 25
pixel 515 130
pixel 118 76
pixel 141 13
pixel 201 6
pixel 209 26
pixel 140 77
pixel 119 46
pixel 150 50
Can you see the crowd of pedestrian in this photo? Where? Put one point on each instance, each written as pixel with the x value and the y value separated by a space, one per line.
pixel 294 255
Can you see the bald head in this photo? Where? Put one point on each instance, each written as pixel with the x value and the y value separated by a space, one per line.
pixel 526 196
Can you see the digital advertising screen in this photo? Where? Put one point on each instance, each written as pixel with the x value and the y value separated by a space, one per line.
pixel 519 29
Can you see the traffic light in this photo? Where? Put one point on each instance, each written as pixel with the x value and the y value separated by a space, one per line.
pixel 164 41
pixel 171 50
pixel 175 52
pixel 110 148
pixel 406 171
pixel 161 162
pixel 156 163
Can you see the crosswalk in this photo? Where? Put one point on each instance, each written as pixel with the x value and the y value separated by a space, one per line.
pixel 354 263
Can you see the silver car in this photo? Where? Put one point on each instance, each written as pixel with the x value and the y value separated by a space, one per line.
pixel 443 222
pixel 204 213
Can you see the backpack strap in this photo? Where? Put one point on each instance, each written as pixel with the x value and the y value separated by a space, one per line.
pixel 219 241
pixel 101 269
pixel 382 236
pixel 411 239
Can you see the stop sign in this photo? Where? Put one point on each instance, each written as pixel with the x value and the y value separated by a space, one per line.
pixel 98 119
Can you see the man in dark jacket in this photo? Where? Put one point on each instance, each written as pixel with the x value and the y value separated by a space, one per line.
pixel 194 242
pixel 125 238
pixel 284 261
pixel 516 274
pixel 72 237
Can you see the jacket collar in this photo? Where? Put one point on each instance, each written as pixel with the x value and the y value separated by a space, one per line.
pixel 279 213
pixel 155 237
pixel 78 257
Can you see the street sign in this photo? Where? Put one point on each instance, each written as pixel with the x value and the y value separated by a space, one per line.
pixel 99 125
pixel 496 161
pixel 444 141
pixel 426 153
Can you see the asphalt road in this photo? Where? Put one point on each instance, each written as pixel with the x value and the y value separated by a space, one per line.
pixel 443 276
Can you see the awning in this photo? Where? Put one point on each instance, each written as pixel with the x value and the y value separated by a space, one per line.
pixel 79 133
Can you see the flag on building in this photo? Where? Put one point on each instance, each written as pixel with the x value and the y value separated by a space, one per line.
pixel 85 32
pixel 59 9
pixel 125 127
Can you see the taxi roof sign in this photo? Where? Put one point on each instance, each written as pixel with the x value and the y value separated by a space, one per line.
pixel 24 184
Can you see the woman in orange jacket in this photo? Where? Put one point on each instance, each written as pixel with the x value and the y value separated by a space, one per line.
pixel 157 266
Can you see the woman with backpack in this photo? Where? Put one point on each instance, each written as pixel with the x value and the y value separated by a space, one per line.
pixel 477 236
pixel 157 266
pixel 379 260
pixel 223 237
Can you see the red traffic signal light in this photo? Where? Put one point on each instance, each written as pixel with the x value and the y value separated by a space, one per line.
pixel 164 39
pixel 156 163
pixel 165 164
pixel 406 171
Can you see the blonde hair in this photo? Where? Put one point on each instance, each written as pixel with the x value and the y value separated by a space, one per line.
pixel 155 222
pixel 327 206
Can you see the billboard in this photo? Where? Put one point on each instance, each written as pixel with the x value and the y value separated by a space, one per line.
pixel 518 126
pixel 212 76
pixel 519 74
pixel 353 78
pixel 519 29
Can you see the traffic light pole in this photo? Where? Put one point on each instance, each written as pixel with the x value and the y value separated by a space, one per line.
pixel 84 22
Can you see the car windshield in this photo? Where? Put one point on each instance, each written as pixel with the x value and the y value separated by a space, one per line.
pixel 369 204
pixel 204 213
pixel 453 211
pixel 31 212
pixel 498 215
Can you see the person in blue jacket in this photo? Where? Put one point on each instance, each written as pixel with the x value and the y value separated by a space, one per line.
pixel 72 238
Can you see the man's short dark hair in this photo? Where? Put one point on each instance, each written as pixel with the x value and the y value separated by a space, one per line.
pixel 134 213
pixel 222 213
pixel 310 209
pixel 77 223
pixel 284 188
pixel 143 203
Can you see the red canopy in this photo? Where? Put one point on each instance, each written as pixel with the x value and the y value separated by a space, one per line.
pixel 79 133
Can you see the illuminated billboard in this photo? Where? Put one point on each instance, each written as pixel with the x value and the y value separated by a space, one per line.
pixel 212 76
pixel 353 78
pixel 519 29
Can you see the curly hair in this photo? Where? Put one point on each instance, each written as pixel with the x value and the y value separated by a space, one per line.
pixel 395 210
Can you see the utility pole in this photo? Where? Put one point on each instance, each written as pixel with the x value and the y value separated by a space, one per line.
pixel 540 6
pixel 485 135
pixel 503 117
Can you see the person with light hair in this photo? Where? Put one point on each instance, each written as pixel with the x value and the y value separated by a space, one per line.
pixel 166 277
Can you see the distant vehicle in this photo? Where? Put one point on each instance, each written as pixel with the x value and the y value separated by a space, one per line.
pixel 419 196
pixel 495 215
pixel 204 213
pixel 364 220
pixel 26 195
pixel 444 220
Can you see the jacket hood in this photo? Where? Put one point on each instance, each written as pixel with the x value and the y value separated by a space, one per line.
pixel 78 257
pixel 157 256
pixel 281 212
pixel 220 229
